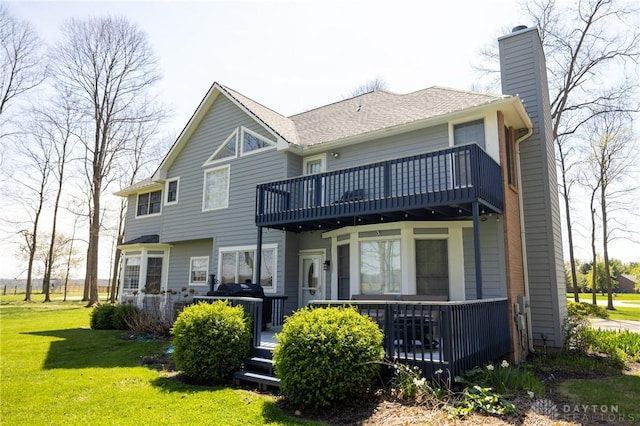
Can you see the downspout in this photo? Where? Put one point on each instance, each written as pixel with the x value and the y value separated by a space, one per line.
pixel 523 239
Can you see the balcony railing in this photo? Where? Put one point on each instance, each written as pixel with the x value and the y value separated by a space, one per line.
pixel 442 179
pixel 448 336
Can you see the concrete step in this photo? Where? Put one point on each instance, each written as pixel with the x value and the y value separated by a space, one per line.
pixel 264 381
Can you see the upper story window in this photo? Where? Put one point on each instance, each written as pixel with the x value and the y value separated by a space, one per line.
pixel 471 131
pixel 240 142
pixel 216 189
pixel 172 191
pixel 149 203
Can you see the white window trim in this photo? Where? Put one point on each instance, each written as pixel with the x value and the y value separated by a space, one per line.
pixel 142 252
pixel 166 191
pixel 407 254
pixel 323 163
pixel 198 283
pixel 243 130
pixel 143 216
pixel 212 160
pixel 235 249
pixel 204 188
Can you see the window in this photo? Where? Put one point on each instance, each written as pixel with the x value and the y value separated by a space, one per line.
pixel 380 267
pixel 216 189
pixel 510 154
pixel 432 268
pixel 172 191
pixel 236 265
pixel 472 131
pixel 131 276
pixel 228 149
pixel 154 275
pixel 199 270
pixel 252 141
pixel 149 203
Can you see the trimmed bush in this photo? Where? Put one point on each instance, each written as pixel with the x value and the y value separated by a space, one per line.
pixel 102 317
pixel 327 355
pixel 586 310
pixel 211 340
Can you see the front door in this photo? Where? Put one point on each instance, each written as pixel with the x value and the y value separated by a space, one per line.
pixel 311 278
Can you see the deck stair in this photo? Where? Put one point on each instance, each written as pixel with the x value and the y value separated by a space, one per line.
pixel 258 369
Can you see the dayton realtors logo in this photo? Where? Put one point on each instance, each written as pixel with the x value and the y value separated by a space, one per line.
pixel 581 412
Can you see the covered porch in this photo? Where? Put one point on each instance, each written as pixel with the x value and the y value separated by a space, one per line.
pixel 448 187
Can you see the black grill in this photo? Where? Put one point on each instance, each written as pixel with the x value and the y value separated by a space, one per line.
pixel 246 290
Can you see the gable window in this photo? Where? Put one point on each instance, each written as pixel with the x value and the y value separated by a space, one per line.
pixel 237 265
pixel 252 141
pixel 172 191
pixel 198 270
pixel 471 131
pixel 228 149
pixel 149 203
pixel 216 189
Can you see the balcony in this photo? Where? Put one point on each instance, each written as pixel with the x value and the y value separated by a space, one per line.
pixel 440 185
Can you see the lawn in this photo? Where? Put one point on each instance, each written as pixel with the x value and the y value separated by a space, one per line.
pixel 629 309
pixel 55 370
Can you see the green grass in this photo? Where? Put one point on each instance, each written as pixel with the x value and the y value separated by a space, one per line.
pixel 615 398
pixel 55 370
pixel 621 312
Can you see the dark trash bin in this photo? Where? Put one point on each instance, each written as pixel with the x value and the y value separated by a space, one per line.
pixel 246 290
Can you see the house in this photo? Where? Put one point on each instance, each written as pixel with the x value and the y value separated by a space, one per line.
pixel 626 283
pixel 439 194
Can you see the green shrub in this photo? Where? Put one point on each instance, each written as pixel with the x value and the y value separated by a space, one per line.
pixel 586 310
pixel 327 355
pixel 211 340
pixel 619 345
pixel 102 317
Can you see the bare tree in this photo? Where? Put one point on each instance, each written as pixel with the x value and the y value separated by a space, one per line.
pixel 57 125
pixel 373 85
pixel 612 161
pixel 592 49
pixel 137 162
pixel 108 67
pixel 20 59
pixel 31 180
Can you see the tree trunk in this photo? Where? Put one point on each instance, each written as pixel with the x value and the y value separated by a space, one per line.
pixel 605 249
pixel 567 213
pixel 594 254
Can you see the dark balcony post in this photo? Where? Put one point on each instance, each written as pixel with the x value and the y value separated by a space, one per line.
pixel 387 180
pixel 317 191
pixel 258 261
pixel 476 248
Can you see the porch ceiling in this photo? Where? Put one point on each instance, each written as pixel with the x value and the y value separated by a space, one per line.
pixel 460 211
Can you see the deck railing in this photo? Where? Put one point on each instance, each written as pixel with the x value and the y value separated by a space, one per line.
pixel 448 336
pixel 456 175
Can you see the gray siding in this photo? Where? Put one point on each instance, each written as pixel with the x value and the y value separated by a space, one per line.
pixel 410 143
pixel 179 260
pixel 186 220
pixel 494 278
pixel 136 227
pixel 524 73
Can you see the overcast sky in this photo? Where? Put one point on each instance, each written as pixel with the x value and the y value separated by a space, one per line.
pixel 296 55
